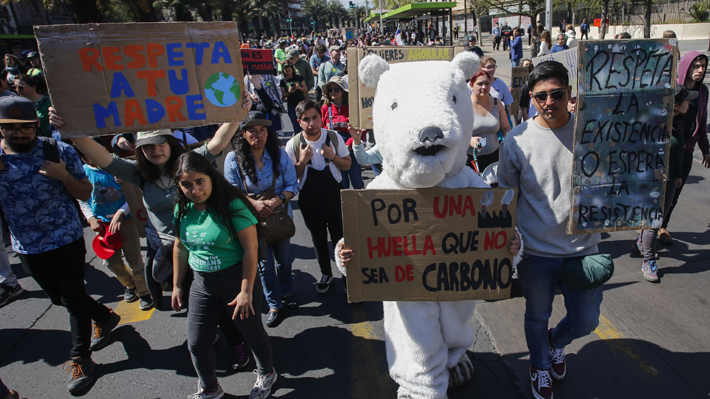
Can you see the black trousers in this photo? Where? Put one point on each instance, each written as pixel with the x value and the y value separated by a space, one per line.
pixel 319 201
pixel 60 273
pixel 687 165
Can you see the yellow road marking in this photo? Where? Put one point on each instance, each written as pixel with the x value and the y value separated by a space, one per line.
pixel 366 380
pixel 131 312
pixel 612 336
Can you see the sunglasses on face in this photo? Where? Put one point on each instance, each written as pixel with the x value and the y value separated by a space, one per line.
pixel 556 95
pixel 335 89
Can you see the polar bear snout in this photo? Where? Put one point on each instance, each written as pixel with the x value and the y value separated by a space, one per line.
pixel 430 133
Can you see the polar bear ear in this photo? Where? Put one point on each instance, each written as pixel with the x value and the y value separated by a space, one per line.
pixel 468 62
pixel 371 68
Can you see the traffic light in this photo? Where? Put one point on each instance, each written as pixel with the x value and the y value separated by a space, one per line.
pixel 352 5
pixel 289 20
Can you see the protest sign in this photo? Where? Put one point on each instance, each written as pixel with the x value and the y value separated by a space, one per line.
pixel 118 78
pixel 519 77
pixel 361 97
pixel 349 34
pixel 622 134
pixel 433 244
pixel 568 58
pixel 258 62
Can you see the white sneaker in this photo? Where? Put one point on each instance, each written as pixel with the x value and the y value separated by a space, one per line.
pixel 263 384
pixel 201 394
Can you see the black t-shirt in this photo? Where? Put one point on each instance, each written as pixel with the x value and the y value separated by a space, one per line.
pixel 296 97
pixel 690 120
pixel 525 97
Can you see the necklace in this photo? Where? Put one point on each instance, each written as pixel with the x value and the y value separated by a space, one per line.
pixel 165 182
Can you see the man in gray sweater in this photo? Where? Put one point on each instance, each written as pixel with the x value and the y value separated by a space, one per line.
pixel 536 158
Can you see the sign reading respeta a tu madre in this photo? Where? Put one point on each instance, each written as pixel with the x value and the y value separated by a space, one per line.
pixel 622 134
pixel 431 244
pixel 114 78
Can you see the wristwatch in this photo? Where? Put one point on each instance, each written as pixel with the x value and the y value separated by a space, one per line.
pixel 283 197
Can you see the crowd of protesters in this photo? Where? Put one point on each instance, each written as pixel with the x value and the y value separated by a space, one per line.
pixel 201 233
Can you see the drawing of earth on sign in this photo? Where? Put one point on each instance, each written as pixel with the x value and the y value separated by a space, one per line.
pixel 222 90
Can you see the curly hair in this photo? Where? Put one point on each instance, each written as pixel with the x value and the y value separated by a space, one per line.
pixel 222 194
pixel 245 159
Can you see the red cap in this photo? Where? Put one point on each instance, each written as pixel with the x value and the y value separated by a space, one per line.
pixel 107 245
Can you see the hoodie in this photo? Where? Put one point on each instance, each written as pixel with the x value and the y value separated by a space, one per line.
pixel 700 132
pixel 571 39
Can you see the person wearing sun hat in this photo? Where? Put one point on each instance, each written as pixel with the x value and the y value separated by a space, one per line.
pixel 37 196
pixel 335 115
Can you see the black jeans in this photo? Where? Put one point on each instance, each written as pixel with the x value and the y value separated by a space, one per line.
pixel 319 201
pixel 60 273
pixel 687 165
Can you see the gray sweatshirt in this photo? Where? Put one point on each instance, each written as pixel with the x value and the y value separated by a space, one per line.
pixel 538 161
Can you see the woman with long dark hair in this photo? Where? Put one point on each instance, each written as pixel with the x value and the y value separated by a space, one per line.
pixel 14 68
pixel 156 154
pixel 293 90
pixel 257 164
pixel 217 240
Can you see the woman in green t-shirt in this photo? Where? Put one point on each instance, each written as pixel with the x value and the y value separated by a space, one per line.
pixel 215 225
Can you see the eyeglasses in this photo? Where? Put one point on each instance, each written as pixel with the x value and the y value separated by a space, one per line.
pixel 335 89
pixel 556 95
pixel 490 67
pixel 9 130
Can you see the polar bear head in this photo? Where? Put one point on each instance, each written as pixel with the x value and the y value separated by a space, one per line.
pixel 422 116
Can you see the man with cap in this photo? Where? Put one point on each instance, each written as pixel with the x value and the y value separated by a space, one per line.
pixel 280 55
pixel 302 67
pixel 37 196
pixel 36 69
pixel 472 46
pixel 317 59
pixel 332 67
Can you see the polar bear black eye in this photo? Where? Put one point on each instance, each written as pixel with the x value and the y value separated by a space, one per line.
pixel 394 105
pixel 454 99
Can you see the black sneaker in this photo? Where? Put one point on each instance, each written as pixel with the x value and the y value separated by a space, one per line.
pixel 324 285
pixel 79 370
pixel 240 356
pixel 130 295
pixel 7 293
pixel 290 301
pixel 146 302
pixel 102 332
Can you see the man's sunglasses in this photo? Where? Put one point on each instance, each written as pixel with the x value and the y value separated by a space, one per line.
pixel 335 89
pixel 556 95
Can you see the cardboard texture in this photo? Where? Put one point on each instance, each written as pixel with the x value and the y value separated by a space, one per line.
pixel 119 78
pixel 622 134
pixel 433 244
pixel 361 97
pixel 258 62
pixel 519 77
pixel 568 58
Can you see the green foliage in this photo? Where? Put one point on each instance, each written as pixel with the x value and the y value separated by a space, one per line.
pixel 700 11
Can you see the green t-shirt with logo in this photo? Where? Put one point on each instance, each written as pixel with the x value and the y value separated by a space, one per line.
pixel 281 55
pixel 210 245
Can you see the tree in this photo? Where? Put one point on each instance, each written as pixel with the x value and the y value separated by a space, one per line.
pixel 314 9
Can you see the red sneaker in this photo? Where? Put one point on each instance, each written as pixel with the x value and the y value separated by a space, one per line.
pixel 541 383
pixel 557 357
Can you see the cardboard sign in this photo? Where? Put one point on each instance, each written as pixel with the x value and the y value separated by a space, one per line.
pixel 622 134
pixel 118 78
pixel 568 58
pixel 258 61
pixel 361 97
pixel 433 244
pixel 349 34
pixel 519 77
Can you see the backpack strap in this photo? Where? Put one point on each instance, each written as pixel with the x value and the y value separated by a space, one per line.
pixel 50 149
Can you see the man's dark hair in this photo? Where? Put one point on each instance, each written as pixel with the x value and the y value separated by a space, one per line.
pixel 548 70
pixel 321 48
pixel 304 106
pixel 625 35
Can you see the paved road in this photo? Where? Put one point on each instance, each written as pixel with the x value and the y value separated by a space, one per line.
pixel 653 340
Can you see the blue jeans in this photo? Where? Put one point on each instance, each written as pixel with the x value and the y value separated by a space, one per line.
pixel 353 175
pixel 515 63
pixel 540 277
pixel 275 286
pixel 294 120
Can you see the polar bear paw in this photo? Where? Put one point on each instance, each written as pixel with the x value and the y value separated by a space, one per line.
pixel 461 373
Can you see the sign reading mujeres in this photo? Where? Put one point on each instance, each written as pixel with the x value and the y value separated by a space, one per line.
pixel 622 134
pixel 115 78
pixel 431 244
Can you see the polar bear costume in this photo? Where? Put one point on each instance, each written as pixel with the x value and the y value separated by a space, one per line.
pixel 423 116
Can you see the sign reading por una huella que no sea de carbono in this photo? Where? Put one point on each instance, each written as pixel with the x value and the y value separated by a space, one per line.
pixel 622 134
pixel 116 78
pixel 433 244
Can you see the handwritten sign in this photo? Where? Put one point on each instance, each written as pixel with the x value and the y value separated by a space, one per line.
pixel 361 97
pixel 622 134
pixel 519 77
pixel 349 34
pixel 117 78
pixel 430 244
pixel 258 61
pixel 568 58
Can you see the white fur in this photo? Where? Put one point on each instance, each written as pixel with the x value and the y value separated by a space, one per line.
pixel 424 340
